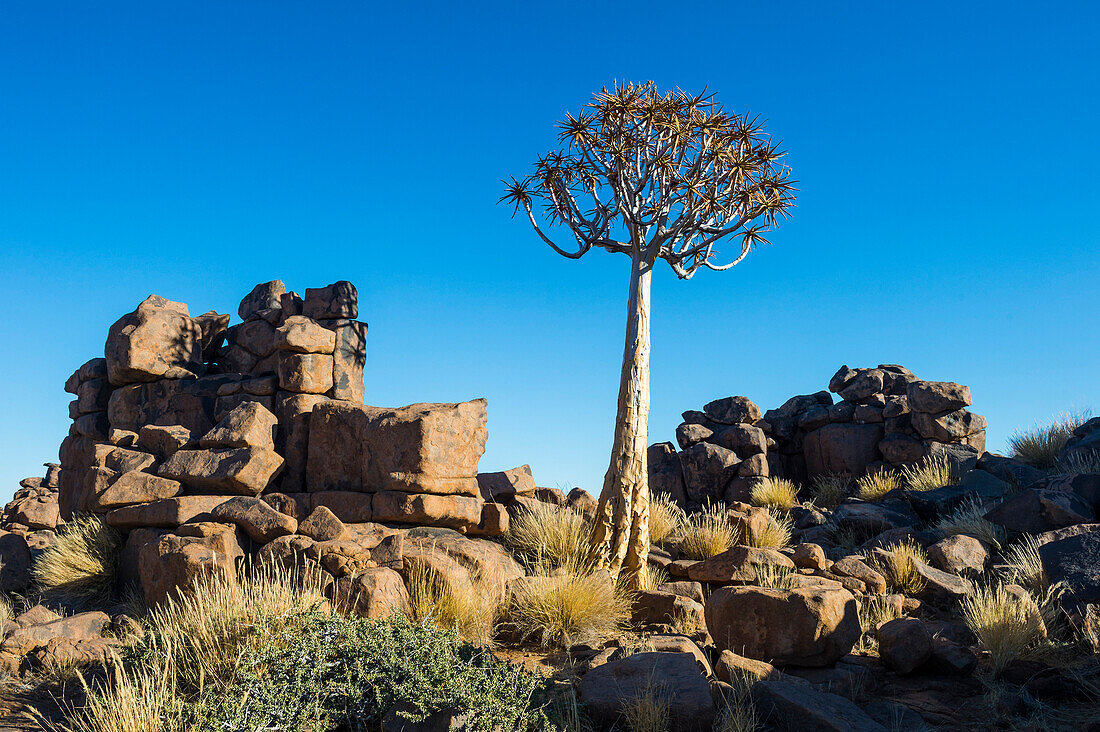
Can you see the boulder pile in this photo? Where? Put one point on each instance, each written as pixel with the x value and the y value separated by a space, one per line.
pixel 886 417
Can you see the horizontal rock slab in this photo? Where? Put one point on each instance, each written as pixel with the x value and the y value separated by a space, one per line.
pixel 737 564
pixel 243 471
pixel 167 513
pixel 256 518
pixel 936 397
pixel 505 485
pixel 421 448
pixel 136 487
pixel 454 512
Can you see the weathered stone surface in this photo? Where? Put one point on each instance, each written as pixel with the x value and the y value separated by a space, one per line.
pixel 351 507
pixel 1036 510
pixel 338 300
pixel 167 513
pixel 28 637
pixel 692 434
pixel 35 512
pixel 322 525
pixel 94 396
pixel 959 554
pixel 264 296
pixel 158 340
pixel 305 373
pixel 853 566
pixel 121 459
pixel 190 403
pixel 299 334
pixel 842 378
pixel 707 470
pixel 732 410
pixel 1010 471
pixel 292 436
pixel 675 677
pixel 737 564
pixel 248 424
pixel 163 441
pixel 948 426
pixel 425 509
pixel 175 561
pixel 256 518
pixel 1075 560
pixel 95 426
pixel 348 358
pixel 136 487
pixel 866 383
pixel 494 521
pixel 15 563
pixel 505 485
pixel 243 471
pixel 900 449
pixel 656 607
pixel 377 592
pixel 904 644
pixel 816 711
pixel 212 329
pixel 666 475
pixel 941 587
pixel 809 556
pixel 732 668
pixel 842 448
pixel 936 397
pixel 421 448
pixel 801 626
pixel 872 518
pixel 744 439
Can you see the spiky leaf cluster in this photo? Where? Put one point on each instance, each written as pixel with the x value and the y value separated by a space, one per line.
pixel 668 174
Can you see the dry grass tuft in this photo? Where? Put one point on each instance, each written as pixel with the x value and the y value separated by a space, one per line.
pixel 829 491
pixel 736 712
pixel 930 474
pixel 707 533
pixel 1079 463
pixel 1005 626
pixel 79 569
pixel 776 535
pixel 7 612
pixel 777 493
pixel 774 576
pixel 470 609
pixel 873 612
pixel 549 534
pixel 566 608
pixel 1039 446
pixel 651 577
pixel 208 627
pixel 899 569
pixel 969 519
pixel 1024 567
pixel 874 486
pixel 665 518
pixel 649 710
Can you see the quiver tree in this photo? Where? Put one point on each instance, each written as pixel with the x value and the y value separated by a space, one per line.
pixel 652 175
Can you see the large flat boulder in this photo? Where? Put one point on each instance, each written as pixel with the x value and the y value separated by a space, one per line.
pixel 158 340
pixel 803 627
pixel 167 513
pixel 421 448
pixel 842 448
pixel 674 678
pixel 236 470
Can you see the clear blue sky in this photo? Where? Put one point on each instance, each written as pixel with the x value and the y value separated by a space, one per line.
pixel 947 155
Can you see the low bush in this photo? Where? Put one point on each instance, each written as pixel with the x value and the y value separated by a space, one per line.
pixel 707 533
pixel 561 609
pixel 829 491
pixel 777 493
pixel 649 710
pixel 1005 626
pixel 874 486
pixel 930 474
pixel 79 569
pixel 545 533
pixel 899 568
pixel 1039 446
pixel 969 518
pixel 665 518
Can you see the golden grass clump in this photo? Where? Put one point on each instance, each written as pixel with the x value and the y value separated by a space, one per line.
pixel 929 474
pixel 707 533
pixel 1039 446
pixel 651 577
pixel 874 486
pixel 649 710
pixel 471 609
pixel 1024 567
pixel 899 567
pixel 873 612
pixel 79 569
pixel 7 612
pixel 736 712
pixel 776 534
pixel 829 491
pixel 774 576
pixel 777 493
pixel 206 628
pixel 567 607
pixel 1006 626
pixel 665 518
pixel 969 518
pixel 545 533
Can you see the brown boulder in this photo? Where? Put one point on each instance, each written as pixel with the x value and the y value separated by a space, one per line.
pixel 732 410
pixel 338 300
pixel 506 484
pixel 348 357
pixel 322 525
pixel 15 562
pixel 854 566
pixel 958 554
pixel 904 644
pixel 348 506
pixel 948 426
pixel 292 436
pixel 164 441
pixel 305 373
pixel 177 560
pixel 264 296
pixel 248 424
pixel 136 487
pixel 803 627
pixel 256 518
pixel 425 509
pixel 707 470
pixel 167 513
pixel 242 470
pixel 158 340
pixel 675 678
pixel 936 397
pixel 377 592
pixel 842 448
pixel 737 564
pixel 299 334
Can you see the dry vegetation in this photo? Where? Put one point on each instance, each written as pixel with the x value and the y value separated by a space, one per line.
pixel 471 610
pixel 707 533
pixel 1006 626
pixel 79 569
pixel 875 486
pixel 829 491
pixel 665 518
pixel 929 474
pixel 776 493
pixel 565 608
pixel 873 612
pixel 549 534
pixel 1039 446
pixel 969 519
pixel 649 710
pixel 899 569
pixel 775 535
pixel 1024 567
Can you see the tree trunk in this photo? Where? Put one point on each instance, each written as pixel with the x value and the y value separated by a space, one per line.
pixel 620 536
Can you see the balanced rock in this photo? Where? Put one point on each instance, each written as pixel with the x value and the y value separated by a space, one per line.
pixel 299 334
pixel 248 424
pixel 136 487
pixel 158 340
pixel 256 518
pixel 243 471
pixel 264 296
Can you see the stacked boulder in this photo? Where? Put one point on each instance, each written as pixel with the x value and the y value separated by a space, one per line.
pixel 886 417
pixel 206 442
pixel 27 525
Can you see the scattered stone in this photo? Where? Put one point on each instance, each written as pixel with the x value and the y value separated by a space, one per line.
pixel 322 525
pixel 243 470
pixel 959 554
pixel 674 677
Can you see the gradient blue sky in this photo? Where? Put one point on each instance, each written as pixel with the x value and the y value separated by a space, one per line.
pixel 947 155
